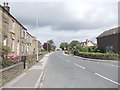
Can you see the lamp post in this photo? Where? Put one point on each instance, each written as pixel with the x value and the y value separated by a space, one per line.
pixel 36 30
pixel 47 47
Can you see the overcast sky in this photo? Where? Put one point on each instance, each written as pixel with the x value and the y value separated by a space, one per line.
pixel 65 20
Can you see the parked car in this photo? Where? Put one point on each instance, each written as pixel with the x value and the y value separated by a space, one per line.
pixel 66 52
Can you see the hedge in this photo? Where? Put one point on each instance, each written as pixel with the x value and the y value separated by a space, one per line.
pixel 103 56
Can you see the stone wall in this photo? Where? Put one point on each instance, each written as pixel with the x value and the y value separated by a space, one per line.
pixel 7 74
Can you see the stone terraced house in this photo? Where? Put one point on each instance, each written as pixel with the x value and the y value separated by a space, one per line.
pixel 14 34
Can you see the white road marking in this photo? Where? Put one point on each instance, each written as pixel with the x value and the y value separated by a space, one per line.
pixel 107 78
pixel 68 60
pixel 79 66
pixel 115 65
pixel 41 84
pixel 77 57
pixel 37 84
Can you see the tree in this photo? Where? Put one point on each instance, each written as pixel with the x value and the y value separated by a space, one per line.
pixel 50 42
pixel 52 45
pixel 64 45
pixel 47 46
pixel 74 44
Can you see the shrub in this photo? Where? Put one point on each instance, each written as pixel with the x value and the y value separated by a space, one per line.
pixel 105 56
pixel 84 49
pixel 6 63
pixel 31 58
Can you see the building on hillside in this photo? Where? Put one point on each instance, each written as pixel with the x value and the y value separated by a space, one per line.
pixel 87 43
pixel 109 40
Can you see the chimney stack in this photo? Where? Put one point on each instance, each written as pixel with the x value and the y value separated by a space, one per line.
pixel 6 7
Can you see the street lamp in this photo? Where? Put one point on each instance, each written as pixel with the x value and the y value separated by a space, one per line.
pixel 47 47
pixel 36 30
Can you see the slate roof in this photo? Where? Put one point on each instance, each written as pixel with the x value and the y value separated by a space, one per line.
pixel 110 32
pixel 1 7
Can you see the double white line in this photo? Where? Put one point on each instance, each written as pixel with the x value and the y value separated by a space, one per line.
pixel 68 60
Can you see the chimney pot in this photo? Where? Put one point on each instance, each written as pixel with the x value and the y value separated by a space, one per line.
pixel 4 4
pixel 6 7
pixel 7 3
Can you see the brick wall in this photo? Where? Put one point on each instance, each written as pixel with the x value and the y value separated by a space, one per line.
pixel 111 40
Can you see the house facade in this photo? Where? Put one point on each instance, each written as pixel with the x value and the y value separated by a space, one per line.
pixel 11 30
pixel 0 32
pixel 14 34
pixel 109 40
pixel 87 43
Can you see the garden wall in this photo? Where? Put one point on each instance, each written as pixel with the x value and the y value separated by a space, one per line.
pixel 7 74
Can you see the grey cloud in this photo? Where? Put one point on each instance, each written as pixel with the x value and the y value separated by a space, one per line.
pixel 55 14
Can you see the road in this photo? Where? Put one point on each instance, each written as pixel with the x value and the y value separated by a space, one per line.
pixel 64 71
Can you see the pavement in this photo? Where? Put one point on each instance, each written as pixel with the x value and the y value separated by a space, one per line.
pixel 29 78
pixel 63 71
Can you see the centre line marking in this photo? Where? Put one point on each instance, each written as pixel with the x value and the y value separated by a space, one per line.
pixel 68 60
pixel 107 78
pixel 79 66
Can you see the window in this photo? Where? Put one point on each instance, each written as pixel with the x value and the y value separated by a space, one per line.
pixel 109 48
pixel 12 45
pixel 18 48
pixel 13 26
pixel 5 41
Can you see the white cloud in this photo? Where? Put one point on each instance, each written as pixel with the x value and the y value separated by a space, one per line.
pixel 64 20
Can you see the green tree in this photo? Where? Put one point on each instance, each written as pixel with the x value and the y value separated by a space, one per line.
pixel 74 45
pixel 52 45
pixel 64 45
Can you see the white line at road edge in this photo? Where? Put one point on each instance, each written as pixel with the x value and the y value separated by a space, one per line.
pixel 79 66
pixel 44 64
pixel 107 78
pixel 38 82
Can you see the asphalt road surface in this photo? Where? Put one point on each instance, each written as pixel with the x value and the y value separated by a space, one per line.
pixel 64 71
